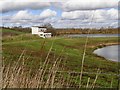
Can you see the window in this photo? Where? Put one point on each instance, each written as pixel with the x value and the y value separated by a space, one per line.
pixel 41 34
pixel 41 29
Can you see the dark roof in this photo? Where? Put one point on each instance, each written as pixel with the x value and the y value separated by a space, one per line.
pixel 39 26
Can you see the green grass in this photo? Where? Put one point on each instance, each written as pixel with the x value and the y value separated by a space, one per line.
pixel 10 30
pixel 71 55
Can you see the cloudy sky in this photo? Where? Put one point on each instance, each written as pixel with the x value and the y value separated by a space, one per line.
pixel 63 14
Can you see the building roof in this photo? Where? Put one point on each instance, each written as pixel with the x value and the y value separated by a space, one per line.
pixel 39 26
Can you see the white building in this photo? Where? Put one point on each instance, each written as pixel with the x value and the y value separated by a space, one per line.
pixel 40 31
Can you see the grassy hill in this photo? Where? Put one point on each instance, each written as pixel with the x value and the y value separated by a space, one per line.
pixel 11 32
pixel 56 62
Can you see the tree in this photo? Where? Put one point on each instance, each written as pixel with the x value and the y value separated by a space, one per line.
pixel 50 29
pixel 48 25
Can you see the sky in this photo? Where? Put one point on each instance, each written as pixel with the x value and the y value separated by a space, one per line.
pixel 62 14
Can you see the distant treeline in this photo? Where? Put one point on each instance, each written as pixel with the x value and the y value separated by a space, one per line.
pixel 86 30
pixel 20 29
pixel 64 31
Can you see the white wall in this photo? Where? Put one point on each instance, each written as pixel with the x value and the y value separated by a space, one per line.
pixel 34 30
pixel 40 32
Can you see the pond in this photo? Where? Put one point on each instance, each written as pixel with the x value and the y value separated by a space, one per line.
pixel 109 52
pixel 93 35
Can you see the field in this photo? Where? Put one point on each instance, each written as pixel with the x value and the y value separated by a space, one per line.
pixel 30 61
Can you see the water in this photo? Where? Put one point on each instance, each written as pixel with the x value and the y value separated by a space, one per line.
pixel 94 35
pixel 109 52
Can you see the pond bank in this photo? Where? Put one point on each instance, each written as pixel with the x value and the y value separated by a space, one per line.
pixel 104 45
pixel 109 51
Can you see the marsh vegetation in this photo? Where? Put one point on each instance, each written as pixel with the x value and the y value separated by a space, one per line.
pixel 33 62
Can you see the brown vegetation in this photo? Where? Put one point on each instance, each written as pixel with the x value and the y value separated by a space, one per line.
pixel 64 31
pixel 85 31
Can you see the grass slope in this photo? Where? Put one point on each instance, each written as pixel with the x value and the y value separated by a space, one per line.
pixel 69 50
pixel 10 32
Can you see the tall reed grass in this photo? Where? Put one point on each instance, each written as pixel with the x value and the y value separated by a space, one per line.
pixel 47 72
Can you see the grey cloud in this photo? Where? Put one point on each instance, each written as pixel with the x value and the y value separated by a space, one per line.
pixel 26 17
pixel 75 13
pixel 97 15
pixel 82 24
pixel 73 5
pixel 8 5
pixel 68 5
